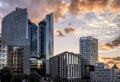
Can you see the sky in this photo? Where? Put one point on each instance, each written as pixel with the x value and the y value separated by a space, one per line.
pixel 74 19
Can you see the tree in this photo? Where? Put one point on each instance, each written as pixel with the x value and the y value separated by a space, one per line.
pixel 34 77
pixel 26 77
pixel 5 75
pixel 17 77
pixel 57 78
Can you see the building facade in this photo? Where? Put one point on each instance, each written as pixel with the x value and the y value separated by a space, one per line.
pixel 67 65
pixel 15 31
pixel 103 73
pixel 46 39
pixel 3 53
pixel 15 61
pixel 89 54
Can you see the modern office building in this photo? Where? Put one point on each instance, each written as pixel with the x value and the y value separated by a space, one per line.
pixel 3 53
pixel 67 65
pixel 15 31
pixel 89 54
pixel 46 38
pixel 33 39
pixel 103 73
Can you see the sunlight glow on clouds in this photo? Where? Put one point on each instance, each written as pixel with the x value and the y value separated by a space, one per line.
pixel 97 18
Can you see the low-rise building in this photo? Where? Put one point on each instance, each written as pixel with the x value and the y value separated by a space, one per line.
pixel 67 65
pixel 103 73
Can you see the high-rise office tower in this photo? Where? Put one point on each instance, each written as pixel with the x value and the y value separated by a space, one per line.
pixel 46 36
pixel 15 31
pixel 33 39
pixel 46 39
pixel 89 54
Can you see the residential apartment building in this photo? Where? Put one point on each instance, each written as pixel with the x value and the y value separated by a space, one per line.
pixel 3 53
pixel 67 65
pixel 103 73
pixel 89 54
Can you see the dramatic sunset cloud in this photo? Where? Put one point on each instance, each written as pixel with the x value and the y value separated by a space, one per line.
pixel 39 8
pixel 115 5
pixel 59 33
pixel 69 30
pixel 97 18
pixel 81 6
pixel 111 45
pixel 111 61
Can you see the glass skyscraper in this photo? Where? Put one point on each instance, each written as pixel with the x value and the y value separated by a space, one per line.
pixel 35 41
pixel 15 31
pixel 46 37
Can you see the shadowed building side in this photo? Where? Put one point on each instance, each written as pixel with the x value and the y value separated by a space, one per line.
pixel 46 38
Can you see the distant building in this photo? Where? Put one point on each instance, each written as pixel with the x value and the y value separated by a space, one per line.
pixel 15 31
pixel 103 73
pixel 3 53
pixel 67 65
pixel 89 54
pixel 46 39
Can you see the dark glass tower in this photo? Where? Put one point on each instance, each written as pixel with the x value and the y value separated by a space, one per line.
pixel 46 39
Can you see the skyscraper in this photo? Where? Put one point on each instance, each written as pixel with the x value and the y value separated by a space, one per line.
pixel 89 53
pixel 15 31
pixel 46 38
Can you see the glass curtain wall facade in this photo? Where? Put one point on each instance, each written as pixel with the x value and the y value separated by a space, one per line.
pixel 15 31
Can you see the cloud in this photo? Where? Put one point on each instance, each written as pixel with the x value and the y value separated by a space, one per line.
pixel 81 6
pixel 115 5
pixel 60 11
pixel 59 33
pixel 111 45
pixel 66 30
pixel 111 61
pixel 69 30
pixel 37 8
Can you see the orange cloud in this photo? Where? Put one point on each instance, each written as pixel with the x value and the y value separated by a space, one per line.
pixel 39 8
pixel 60 11
pixel 115 5
pixel 111 45
pixel 69 30
pixel 81 6
pixel 58 33
pixel 111 61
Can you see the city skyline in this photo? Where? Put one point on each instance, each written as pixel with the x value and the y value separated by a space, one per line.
pixel 103 25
